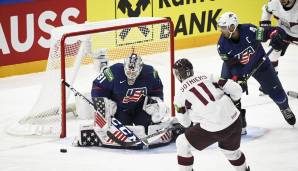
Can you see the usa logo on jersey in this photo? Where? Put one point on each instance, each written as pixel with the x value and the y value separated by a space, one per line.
pixel 134 94
pixel 245 55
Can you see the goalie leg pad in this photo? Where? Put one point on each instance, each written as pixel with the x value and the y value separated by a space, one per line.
pixel 138 130
pixel 105 106
pixel 87 137
pixel 163 138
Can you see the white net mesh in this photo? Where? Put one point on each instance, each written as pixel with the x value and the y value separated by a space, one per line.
pixel 152 42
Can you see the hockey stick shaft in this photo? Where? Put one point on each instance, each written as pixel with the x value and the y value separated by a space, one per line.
pixel 291 42
pixel 146 138
pixel 293 94
pixel 123 129
pixel 259 65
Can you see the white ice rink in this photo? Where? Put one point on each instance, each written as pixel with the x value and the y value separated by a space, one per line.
pixel 271 144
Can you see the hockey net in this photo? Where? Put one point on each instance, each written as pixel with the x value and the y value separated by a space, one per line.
pixel 70 59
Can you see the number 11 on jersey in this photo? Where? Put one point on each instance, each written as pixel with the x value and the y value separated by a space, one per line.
pixel 199 95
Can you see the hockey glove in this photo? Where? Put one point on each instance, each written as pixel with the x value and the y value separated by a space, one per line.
pixel 278 40
pixel 180 129
pixel 155 107
pixel 242 82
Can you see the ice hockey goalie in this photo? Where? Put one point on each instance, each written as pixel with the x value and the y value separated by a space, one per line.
pixel 128 103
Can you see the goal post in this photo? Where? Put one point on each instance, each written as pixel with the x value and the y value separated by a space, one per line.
pixel 70 59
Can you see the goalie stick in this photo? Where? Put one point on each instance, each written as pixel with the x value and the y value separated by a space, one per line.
pixel 146 138
pixel 123 129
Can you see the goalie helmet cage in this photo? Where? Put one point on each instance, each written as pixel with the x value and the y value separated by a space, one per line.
pixel 71 59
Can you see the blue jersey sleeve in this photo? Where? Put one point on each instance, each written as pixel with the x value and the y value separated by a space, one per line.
pixel 230 62
pixel 155 86
pixel 103 85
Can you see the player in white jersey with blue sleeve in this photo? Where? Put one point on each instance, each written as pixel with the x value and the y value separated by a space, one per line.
pixel 209 103
pixel 286 13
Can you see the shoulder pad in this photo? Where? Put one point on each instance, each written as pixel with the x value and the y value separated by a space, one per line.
pixel 109 74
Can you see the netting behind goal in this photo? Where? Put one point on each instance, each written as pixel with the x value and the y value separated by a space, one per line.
pixel 71 59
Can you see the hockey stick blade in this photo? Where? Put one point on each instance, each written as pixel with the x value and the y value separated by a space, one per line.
pixel 144 139
pixel 293 94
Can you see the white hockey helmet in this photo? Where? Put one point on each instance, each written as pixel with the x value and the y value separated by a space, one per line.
pixel 228 19
pixel 132 67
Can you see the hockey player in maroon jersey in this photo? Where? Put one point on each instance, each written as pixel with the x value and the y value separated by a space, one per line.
pixel 209 103
pixel 286 13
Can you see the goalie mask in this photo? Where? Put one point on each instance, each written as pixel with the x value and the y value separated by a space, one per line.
pixel 132 67
pixel 183 69
pixel 226 21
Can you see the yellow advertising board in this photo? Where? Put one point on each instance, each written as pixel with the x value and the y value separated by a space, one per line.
pixel 194 24
pixel 194 20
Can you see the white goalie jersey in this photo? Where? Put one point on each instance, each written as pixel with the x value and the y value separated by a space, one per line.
pixel 199 101
pixel 287 18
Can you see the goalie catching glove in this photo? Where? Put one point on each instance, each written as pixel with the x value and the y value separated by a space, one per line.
pixel 155 107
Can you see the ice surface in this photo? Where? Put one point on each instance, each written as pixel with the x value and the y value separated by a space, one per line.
pixel 271 144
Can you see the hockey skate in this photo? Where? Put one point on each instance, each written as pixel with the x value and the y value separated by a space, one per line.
pixel 289 116
pixel 243 121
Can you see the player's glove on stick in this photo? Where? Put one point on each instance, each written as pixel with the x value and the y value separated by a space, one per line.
pixel 278 40
pixel 242 81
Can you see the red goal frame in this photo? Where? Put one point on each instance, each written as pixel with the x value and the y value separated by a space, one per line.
pixel 71 34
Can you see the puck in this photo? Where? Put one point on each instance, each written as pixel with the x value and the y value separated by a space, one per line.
pixel 63 150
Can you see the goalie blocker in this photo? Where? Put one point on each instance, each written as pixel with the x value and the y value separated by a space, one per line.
pixel 95 134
